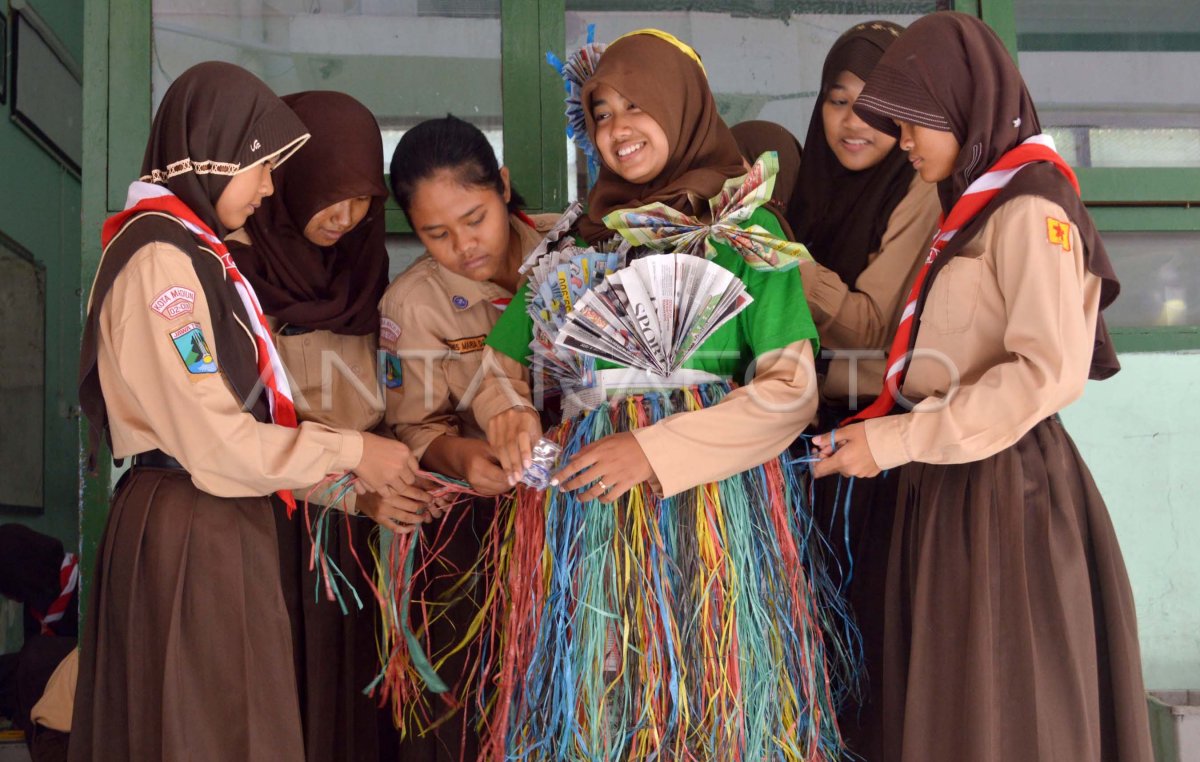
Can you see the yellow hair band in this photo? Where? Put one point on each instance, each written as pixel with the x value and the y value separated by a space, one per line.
pixel 686 49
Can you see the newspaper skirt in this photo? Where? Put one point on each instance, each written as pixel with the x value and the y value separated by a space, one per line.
pixel 679 628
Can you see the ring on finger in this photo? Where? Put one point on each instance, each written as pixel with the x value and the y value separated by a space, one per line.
pixel 604 488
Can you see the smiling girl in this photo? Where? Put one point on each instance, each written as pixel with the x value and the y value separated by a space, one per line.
pixel 867 218
pixel 656 600
pixel 1008 607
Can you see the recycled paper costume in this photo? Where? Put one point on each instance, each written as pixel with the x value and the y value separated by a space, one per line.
pixel 682 620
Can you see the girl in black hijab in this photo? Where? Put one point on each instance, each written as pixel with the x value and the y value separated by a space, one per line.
pixel 867 219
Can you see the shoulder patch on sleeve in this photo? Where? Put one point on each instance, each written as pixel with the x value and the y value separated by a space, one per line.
pixel 1058 233
pixel 389 330
pixel 390 370
pixel 467 345
pixel 193 349
pixel 173 302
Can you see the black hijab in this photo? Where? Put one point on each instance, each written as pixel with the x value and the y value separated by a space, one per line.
pixel 335 288
pixel 840 214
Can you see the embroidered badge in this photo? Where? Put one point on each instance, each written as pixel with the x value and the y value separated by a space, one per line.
pixel 467 345
pixel 389 330
pixel 173 302
pixel 460 302
pixel 391 370
pixel 1059 233
pixel 193 349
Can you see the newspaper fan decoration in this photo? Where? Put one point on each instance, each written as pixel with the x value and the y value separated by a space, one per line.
pixel 654 314
pixel 575 72
pixel 559 274
pixel 665 229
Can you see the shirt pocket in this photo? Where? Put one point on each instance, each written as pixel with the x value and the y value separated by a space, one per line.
pixel 950 307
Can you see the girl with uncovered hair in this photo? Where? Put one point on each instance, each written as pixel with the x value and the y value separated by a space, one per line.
pixel 435 316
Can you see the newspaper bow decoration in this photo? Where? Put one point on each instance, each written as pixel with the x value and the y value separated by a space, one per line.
pixel 665 229
pixel 575 72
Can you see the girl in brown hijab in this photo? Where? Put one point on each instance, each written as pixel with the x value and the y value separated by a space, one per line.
pixel 315 255
pixel 588 651
pixel 187 653
pixel 1010 630
pixel 867 219
pixel 758 136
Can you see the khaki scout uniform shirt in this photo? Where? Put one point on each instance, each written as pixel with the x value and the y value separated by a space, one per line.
pixel 53 710
pixel 333 377
pixel 433 324
pixel 1005 340
pixel 866 317
pixel 156 401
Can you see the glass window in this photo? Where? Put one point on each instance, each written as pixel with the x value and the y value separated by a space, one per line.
pixel 1115 82
pixel 22 381
pixel 407 60
pixel 763 59
pixel 1160 279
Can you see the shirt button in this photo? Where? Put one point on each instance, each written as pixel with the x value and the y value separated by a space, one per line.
pixel 357 369
pixel 308 342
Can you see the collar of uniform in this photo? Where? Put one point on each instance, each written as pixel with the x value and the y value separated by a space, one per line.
pixel 475 291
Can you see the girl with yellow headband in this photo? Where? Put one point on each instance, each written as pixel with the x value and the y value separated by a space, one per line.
pixel 656 600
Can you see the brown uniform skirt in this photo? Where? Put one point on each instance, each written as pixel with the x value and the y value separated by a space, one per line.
pixel 187 653
pixel 855 516
pixel 1010 631
pixel 335 653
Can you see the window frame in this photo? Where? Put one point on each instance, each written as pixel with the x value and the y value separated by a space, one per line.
pixel 117 116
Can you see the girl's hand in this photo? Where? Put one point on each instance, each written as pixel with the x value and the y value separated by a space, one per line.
pixel 387 465
pixel 613 466
pixel 851 458
pixel 481 468
pixel 511 435
pixel 395 514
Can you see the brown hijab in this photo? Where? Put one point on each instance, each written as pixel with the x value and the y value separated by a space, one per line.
pixel 839 214
pixel 949 71
pixel 335 288
pixel 756 137
pixel 671 87
pixel 215 121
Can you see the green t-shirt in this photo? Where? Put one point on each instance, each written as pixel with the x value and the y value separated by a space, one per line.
pixel 778 316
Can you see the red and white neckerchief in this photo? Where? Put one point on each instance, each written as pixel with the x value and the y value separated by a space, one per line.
pixel 68 581
pixel 977 196
pixel 147 197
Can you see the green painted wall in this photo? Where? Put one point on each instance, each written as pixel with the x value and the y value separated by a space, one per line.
pixel 40 211
pixel 1140 434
